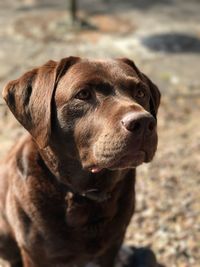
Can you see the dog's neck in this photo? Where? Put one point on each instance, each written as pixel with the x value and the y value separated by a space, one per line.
pixel 95 187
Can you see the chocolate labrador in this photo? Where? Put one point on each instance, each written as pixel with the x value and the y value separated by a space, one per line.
pixel 67 187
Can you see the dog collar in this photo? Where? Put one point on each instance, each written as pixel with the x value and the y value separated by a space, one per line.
pixel 91 194
pixel 96 195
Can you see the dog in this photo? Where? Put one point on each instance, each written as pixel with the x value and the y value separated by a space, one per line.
pixel 67 186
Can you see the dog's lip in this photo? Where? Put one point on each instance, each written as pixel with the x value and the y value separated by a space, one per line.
pixel 136 159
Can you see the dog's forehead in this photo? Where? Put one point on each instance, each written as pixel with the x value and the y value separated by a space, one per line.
pixel 94 71
pixel 105 68
pixel 110 70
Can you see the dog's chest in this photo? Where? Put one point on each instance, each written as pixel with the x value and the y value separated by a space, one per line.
pixel 64 228
pixel 82 213
pixel 86 230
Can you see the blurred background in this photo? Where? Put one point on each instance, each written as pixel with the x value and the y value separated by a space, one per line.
pixel 163 38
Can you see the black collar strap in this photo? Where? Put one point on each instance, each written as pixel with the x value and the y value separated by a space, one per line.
pixel 96 195
pixel 91 194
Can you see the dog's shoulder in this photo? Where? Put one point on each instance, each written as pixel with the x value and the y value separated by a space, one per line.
pixel 23 169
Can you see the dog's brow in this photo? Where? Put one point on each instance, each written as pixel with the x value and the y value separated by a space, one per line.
pixel 104 88
pixel 129 83
pixel 100 86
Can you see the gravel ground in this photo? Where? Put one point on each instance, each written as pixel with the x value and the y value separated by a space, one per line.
pixel 163 37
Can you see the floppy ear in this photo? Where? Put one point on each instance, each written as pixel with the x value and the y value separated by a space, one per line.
pixel 155 93
pixel 154 97
pixel 30 97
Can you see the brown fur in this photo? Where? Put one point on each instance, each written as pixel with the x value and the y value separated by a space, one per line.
pixel 67 187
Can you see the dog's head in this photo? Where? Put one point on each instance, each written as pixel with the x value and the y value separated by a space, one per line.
pixel 99 112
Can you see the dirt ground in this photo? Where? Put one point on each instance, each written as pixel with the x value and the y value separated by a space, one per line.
pixel 163 38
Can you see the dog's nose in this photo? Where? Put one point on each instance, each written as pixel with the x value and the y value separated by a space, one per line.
pixel 139 122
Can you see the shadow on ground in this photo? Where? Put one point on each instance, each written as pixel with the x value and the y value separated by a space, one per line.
pixel 117 5
pixel 130 256
pixel 172 43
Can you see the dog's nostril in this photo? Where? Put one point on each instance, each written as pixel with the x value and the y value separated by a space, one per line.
pixel 131 125
pixel 135 126
pixel 151 126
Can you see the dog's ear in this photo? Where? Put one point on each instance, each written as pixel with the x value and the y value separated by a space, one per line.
pixel 155 96
pixel 30 97
pixel 155 93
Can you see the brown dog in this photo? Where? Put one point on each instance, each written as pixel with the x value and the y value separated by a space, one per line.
pixel 67 188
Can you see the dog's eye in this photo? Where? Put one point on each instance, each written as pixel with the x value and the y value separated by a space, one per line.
pixel 140 93
pixel 84 94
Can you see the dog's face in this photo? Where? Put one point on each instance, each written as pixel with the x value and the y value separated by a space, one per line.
pixel 102 113
pixel 106 106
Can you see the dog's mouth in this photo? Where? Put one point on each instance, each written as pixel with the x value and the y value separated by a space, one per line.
pixel 124 162
pixel 117 155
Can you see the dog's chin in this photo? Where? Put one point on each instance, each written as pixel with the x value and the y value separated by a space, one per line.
pixel 123 162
